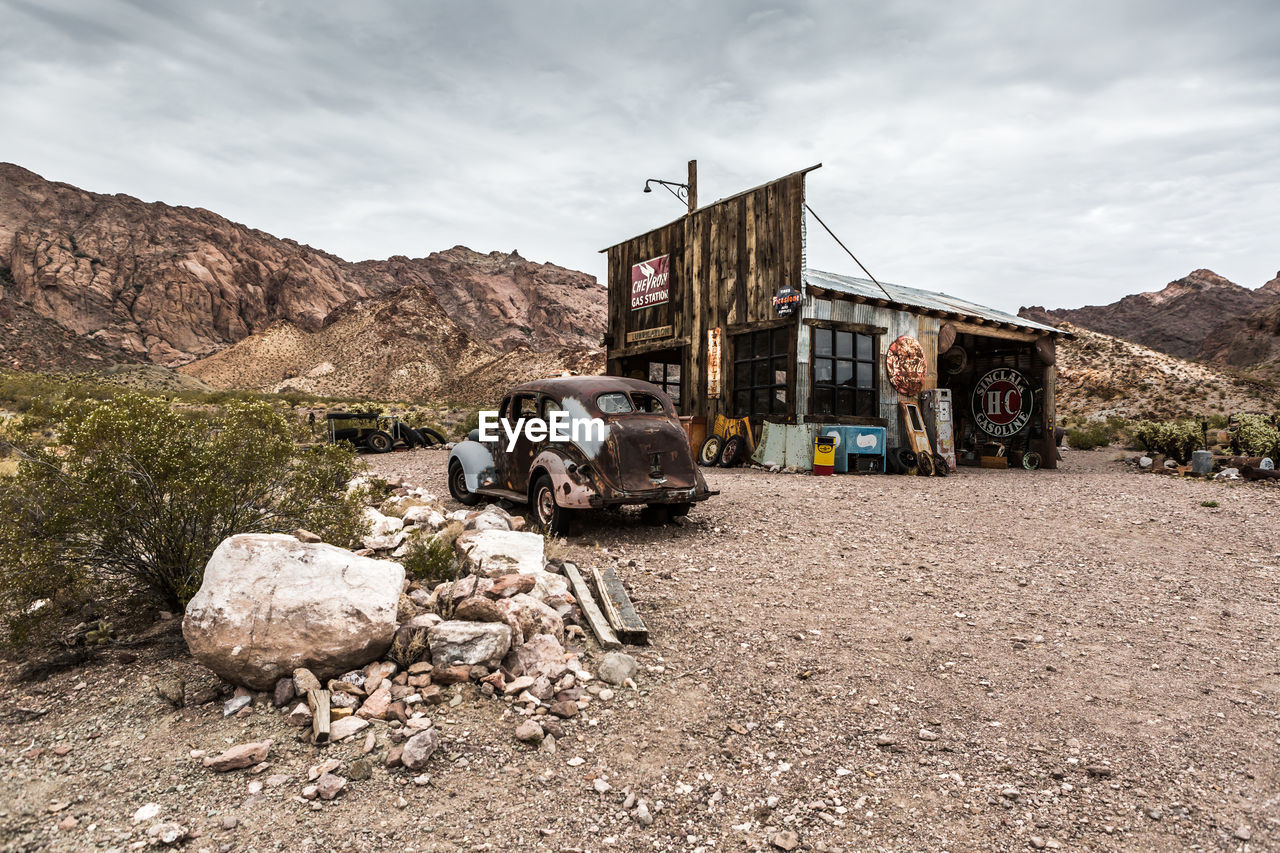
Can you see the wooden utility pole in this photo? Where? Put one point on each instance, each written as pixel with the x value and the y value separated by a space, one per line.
pixel 693 185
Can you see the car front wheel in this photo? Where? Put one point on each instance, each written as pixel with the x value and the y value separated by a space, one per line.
pixel 551 517
pixel 379 441
pixel 458 486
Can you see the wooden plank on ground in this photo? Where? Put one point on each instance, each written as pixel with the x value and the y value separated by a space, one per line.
pixel 319 702
pixel 617 607
pixel 587 604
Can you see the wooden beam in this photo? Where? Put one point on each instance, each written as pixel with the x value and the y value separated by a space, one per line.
pixel 648 346
pixel 587 604
pixel 759 326
pixel 617 607
pixel 319 702
pixel 993 332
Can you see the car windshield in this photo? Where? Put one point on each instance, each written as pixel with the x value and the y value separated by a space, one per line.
pixel 614 403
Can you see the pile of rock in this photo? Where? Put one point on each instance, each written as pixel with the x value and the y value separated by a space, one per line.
pixel 410 514
pixel 316 624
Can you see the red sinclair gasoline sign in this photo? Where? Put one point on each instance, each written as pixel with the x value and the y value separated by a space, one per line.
pixel 651 282
pixel 1002 402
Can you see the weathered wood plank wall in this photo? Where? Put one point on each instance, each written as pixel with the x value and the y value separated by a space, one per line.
pixel 728 259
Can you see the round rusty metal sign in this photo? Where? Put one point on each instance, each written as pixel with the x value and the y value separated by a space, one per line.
pixel 905 364
pixel 946 337
pixel 1002 402
pixel 1046 350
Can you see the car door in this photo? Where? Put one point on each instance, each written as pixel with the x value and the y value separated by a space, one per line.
pixel 517 457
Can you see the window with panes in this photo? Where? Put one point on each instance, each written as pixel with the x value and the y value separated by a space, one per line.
pixel 760 374
pixel 844 374
pixel 666 377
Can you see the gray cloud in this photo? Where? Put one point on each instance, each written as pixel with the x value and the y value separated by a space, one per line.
pixel 1009 153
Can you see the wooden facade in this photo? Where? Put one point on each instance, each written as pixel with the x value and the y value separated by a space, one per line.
pixel 728 259
pixel 727 262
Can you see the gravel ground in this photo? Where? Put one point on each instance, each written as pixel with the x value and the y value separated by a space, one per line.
pixel 1083 659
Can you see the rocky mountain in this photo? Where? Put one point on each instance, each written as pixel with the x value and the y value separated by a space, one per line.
pixel 401 346
pixel 1101 376
pixel 1202 316
pixel 87 278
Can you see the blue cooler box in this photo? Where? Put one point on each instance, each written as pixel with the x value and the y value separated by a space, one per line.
pixel 859 449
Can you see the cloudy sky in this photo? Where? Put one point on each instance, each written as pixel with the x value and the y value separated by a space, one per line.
pixel 1011 153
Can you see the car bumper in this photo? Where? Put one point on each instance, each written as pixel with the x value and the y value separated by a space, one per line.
pixel 651 496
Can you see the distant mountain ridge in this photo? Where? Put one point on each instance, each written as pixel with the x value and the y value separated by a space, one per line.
pixel 1202 316
pixel 88 278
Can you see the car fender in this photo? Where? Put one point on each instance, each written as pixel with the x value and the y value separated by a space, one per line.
pixel 477 464
pixel 573 490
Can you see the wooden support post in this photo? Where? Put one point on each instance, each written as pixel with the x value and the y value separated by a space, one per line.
pixel 1049 445
pixel 319 702
pixel 587 604
pixel 693 185
pixel 617 607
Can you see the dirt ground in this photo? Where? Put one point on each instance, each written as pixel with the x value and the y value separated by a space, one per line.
pixel 1083 659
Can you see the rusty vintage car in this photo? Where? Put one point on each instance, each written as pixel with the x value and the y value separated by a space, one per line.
pixel 642 456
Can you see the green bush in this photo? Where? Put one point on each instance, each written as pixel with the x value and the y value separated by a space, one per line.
pixel 430 560
pixel 1089 435
pixel 1257 436
pixel 1175 439
pixel 470 422
pixel 136 496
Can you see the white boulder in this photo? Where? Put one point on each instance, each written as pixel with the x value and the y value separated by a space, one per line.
pixel 270 604
pixel 385 531
pixel 494 553
pixel 472 643
pixel 425 516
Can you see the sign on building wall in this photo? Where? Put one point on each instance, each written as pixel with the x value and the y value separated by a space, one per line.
pixel 713 362
pixel 906 365
pixel 651 282
pixel 1002 402
pixel 787 301
pixel 653 334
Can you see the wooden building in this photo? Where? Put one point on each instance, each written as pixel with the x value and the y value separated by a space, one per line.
pixel 720 308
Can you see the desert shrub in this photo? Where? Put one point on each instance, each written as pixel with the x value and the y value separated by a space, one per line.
pixel 1175 439
pixel 1144 434
pixel 470 422
pixel 430 559
pixel 1209 504
pixel 1258 437
pixel 136 496
pixel 1089 435
pixel 409 647
pixel 1179 438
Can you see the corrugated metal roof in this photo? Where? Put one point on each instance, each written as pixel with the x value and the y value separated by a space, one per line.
pixel 910 297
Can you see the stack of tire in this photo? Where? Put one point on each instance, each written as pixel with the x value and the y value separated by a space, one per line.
pixel 903 460
pixel 726 452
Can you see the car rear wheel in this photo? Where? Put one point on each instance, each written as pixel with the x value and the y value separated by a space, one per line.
pixel 458 486
pixel 734 449
pixel 709 453
pixel 679 510
pixel 551 517
pixel 379 442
